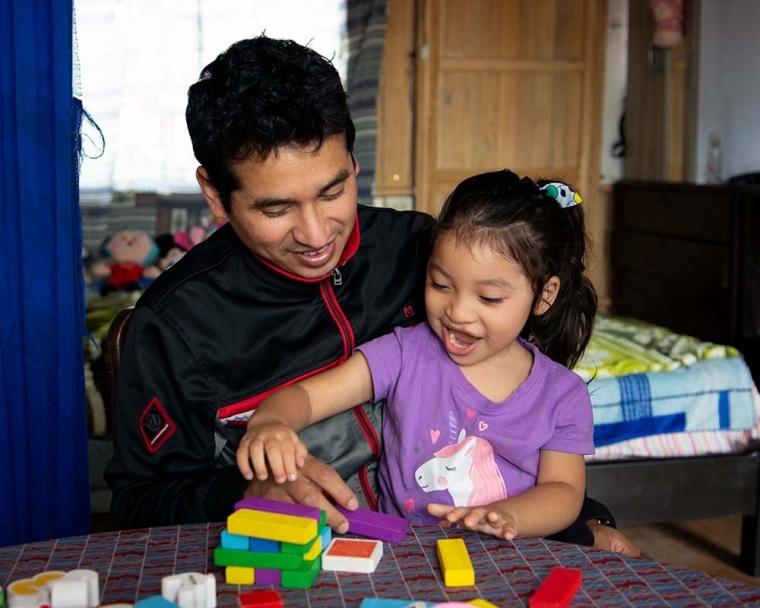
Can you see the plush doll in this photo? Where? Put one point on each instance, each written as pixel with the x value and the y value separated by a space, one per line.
pixel 668 22
pixel 130 256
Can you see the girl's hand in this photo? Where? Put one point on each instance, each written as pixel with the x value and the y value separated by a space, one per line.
pixel 487 519
pixel 276 444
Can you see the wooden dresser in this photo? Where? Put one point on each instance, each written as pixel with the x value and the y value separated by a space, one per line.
pixel 687 256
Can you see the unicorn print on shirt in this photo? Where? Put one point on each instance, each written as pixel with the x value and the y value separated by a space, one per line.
pixel 467 470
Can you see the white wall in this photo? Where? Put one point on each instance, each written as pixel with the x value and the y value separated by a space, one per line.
pixel 729 85
pixel 615 84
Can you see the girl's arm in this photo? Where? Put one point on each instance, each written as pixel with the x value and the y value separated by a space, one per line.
pixel 552 505
pixel 271 431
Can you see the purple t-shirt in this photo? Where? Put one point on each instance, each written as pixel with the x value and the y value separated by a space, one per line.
pixel 445 442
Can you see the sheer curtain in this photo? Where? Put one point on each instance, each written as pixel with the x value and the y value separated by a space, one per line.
pixel 138 58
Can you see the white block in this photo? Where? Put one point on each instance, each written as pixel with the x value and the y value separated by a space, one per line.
pixel 68 593
pixel 90 577
pixel 352 555
pixel 190 590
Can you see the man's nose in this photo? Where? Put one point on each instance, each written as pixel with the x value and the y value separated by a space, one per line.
pixel 313 227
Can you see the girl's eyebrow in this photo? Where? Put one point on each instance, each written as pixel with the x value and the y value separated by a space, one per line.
pixel 501 283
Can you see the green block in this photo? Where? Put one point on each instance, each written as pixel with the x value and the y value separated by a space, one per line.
pixel 303 577
pixel 251 559
pixel 295 548
pixel 299 549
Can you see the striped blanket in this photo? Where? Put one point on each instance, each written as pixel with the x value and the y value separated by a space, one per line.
pixel 657 393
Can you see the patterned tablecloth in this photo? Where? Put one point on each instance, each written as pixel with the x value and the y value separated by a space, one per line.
pixel 132 563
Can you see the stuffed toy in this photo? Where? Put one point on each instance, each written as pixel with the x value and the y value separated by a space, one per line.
pixel 130 255
pixel 668 22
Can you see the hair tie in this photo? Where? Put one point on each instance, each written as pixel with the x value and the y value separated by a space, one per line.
pixel 562 193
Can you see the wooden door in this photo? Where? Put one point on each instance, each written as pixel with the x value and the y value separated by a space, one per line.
pixel 507 84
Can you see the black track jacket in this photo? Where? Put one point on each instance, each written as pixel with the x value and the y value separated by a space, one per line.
pixel 217 332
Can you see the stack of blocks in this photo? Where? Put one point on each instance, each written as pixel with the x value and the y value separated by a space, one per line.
pixel 267 542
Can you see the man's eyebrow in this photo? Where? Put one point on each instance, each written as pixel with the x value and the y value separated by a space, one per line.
pixel 261 203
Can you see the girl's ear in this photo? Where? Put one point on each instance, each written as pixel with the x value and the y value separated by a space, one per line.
pixel 548 295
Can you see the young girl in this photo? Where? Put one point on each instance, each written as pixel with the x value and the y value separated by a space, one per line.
pixel 484 424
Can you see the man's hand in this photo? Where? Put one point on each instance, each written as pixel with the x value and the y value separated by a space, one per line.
pixel 271 443
pixel 610 539
pixel 316 482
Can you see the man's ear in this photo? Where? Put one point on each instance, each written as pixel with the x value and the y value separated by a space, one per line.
pixel 357 168
pixel 211 194
pixel 548 295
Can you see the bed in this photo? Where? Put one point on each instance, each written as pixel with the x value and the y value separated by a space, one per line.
pixel 675 433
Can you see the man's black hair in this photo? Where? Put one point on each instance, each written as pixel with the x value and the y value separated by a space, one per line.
pixel 259 95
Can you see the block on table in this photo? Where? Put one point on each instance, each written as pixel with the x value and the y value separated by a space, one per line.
pixel 352 555
pixel 455 563
pixel 238 575
pixel 249 559
pixel 268 505
pixel 303 577
pixel 267 576
pixel 33 591
pixel 558 589
pixel 92 580
pixel 155 601
pixel 272 526
pixel 481 603
pixel 68 593
pixel 236 541
pixel 372 524
pixel 260 599
pixel 261 545
pixel 190 589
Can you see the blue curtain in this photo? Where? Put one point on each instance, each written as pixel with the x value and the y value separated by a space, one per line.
pixel 43 428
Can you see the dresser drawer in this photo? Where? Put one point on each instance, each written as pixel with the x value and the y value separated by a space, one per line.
pixel 700 263
pixel 688 213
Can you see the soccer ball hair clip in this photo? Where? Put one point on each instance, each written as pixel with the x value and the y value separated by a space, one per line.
pixel 563 194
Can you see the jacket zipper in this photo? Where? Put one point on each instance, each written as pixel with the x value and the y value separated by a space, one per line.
pixel 349 341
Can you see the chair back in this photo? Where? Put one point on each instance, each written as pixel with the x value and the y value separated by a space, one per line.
pixel 114 347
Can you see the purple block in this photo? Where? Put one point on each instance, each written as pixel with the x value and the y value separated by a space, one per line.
pixel 265 576
pixel 276 506
pixel 375 525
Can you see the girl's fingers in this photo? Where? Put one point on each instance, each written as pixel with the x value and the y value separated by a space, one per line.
pixel 258 458
pixel 243 460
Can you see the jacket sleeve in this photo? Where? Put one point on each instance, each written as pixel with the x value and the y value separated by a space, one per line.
pixel 166 433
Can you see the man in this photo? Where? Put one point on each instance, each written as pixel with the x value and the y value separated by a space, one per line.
pixel 288 287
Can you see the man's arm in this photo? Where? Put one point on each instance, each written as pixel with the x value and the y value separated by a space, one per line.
pixel 166 435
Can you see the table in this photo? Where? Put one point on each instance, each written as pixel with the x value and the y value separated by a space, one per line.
pixel 131 564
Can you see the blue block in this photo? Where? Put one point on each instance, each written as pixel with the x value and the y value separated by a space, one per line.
pixel 155 601
pixel 326 536
pixel 263 545
pixel 234 541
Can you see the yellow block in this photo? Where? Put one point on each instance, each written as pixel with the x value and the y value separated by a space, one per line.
pixel 237 575
pixel 272 526
pixel 455 563
pixel 482 603
pixel 314 552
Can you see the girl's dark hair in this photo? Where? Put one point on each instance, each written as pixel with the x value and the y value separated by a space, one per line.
pixel 257 96
pixel 519 220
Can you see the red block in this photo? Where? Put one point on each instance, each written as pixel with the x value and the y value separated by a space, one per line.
pixel 558 589
pixel 263 598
